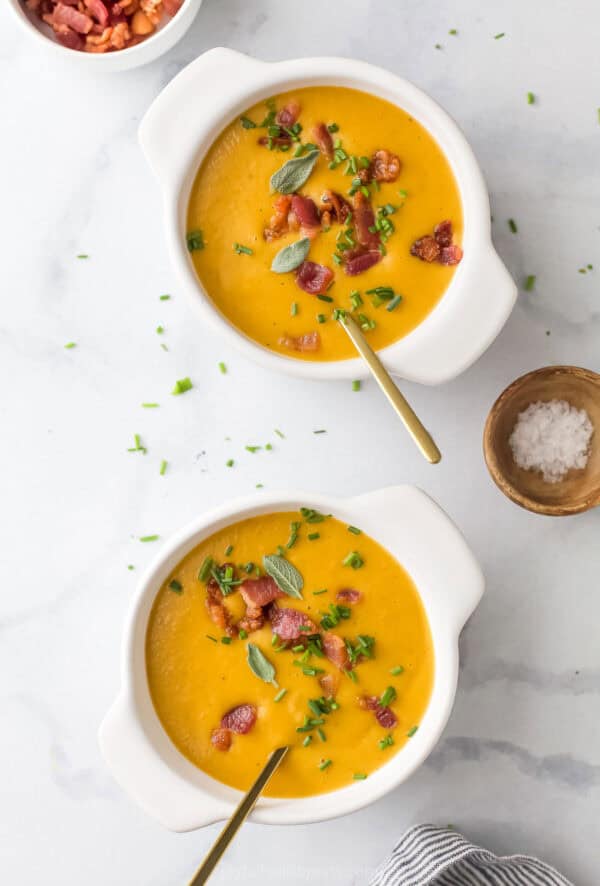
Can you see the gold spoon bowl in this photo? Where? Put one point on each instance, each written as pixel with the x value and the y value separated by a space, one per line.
pixel 580 489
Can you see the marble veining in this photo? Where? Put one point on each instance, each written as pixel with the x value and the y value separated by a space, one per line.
pixel 519 765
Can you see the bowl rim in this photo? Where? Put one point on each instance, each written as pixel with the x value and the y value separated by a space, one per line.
pixel 490 454
pixel 129 57
pixel 445 618
pixel 262 79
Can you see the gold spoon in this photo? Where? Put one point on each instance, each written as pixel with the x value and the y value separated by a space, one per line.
pixel 240 815
pixel 412 423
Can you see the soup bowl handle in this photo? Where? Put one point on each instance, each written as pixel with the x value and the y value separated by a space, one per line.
pixel 436 553
pixel 185 114
pixel 141 772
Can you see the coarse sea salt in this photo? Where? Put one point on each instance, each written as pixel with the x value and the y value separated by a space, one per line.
pixel 551 437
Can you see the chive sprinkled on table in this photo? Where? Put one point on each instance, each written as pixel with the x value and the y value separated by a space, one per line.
pixel 146 538
pixel 182 385
pixel 512 225
pixel 356 385
pixel 529 282
pixel 70 344
pixel 530 98
pixel 229 463
pixel 164 297
pixel 163 467
pixel 223 368
pixel 150 405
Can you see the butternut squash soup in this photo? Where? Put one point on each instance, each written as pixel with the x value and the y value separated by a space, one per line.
pixel 289 628
pixel 323 201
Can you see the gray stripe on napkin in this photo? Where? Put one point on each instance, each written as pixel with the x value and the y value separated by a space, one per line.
pixel 432 855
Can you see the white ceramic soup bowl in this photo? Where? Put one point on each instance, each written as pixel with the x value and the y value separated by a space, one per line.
pixel 168 786
pixel 165 37
pixel 195 107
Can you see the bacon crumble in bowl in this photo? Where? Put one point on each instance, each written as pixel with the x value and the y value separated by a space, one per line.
pixel 323 624
pixel 306 190
pixel 106 35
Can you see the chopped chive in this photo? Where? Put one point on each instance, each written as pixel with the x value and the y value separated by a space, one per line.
pixel 360 776
pixel 326 298
pixel 438 46
pixel 512 225
pixel 294 309
pixel 243 634
pixel 333 127
pixel 210 637
pixel 163 467
pixel 397 670
pixel 530 282
pixel 269 447
pixel 324 765
pixel 307 741
pixel 322 591
pixel 182 385
pixel 149 537
pixel 394 303
pixel 176 586
pixel 412 731
pixel 164 297
pixel 226 641
pixel 499 36
pixel 228 550
pixel 354 530
pixel 274 640
pixel 252 449
pixel 280 433
pixel 351 674
pixel 386 742
pixel 356 385
pixel 530 98
pixel 313 536
pixel 294 528
pixel 388 696
pixel 194 240
pixel 229 463
pixel 320 431
pixel 280 695
pixel 206 569
pixel 163 346
pixel 321 318
pixel 321 734
pixel 160 330
pixel 242 250
pixel 150 405
pixel 223 368
pixel 353 559
pixel 453 32
pixel 70 344
pixel 131 566
pixel 247 123
pixel 83 255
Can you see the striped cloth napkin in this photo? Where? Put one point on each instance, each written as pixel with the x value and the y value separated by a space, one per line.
pixel 433 856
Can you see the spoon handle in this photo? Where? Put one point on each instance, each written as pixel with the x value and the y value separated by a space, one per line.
pixel 242 812
pixel 413 425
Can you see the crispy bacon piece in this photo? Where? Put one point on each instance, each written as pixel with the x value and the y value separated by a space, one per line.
pixel 282 139
pixel 348 595
pixel 450 255
pixel 442 233
pixel 365 174
pixel 329 684
pixel 286 623
pixel 323 139
pixel 217 610
pixel 307 214
pixel 364 220
pixel 110 39
pixel 385 166
pixel 439 247
pixel 98 11
pixel 426 248
pixel 313 278
pixel 172 7
pixel 221 739
pixel 72 18
pixel 359 261
pixel 335 650
pixel 288 115
pixel 240 719
pixel 260 591
pixel 384 715
pixel 336 206
pixel 278 223
pixel 252 620
pixel 309 341
pixel 68 37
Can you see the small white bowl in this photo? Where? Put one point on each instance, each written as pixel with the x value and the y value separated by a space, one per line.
pixel 158 43
pixel 180 796
pixel 194 108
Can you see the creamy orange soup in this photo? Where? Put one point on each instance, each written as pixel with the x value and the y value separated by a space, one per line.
pixel 238 223
pixel 346 693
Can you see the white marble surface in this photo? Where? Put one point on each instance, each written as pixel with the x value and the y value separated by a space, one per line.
pixel 519 765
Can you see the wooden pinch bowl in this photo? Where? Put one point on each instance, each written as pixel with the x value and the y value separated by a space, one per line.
pixel 580 489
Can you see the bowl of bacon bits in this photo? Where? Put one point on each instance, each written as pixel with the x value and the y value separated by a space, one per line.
pixel 109 34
